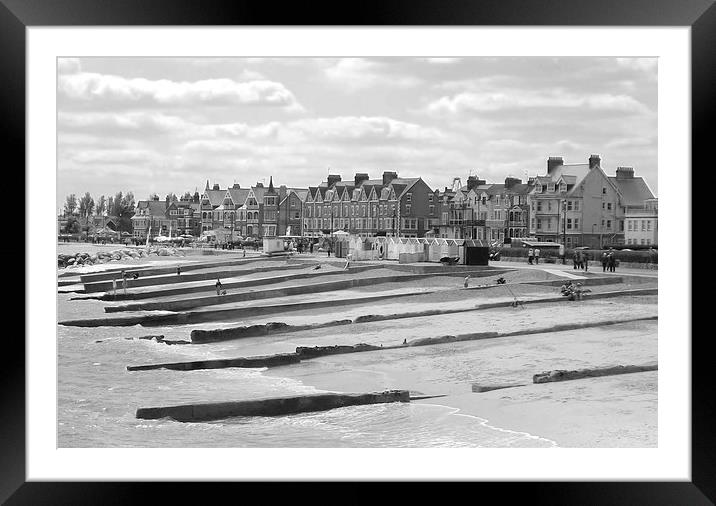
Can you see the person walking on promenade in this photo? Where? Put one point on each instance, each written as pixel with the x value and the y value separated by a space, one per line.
pixel 218 286
pixel 575 259
pixel 349 257
pixel 530 255
pixel 467 281
pixel 605 261
pixel 536 255
pixel 612 262
pixel 585 261
pixel 329 249
pixel 178 270
pixel 311 248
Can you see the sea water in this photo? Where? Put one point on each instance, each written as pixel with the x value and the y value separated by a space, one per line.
pixel 98 399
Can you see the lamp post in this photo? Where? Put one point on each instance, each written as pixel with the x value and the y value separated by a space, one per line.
pixel 564 229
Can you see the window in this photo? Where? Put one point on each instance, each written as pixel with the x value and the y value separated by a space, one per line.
pixel 603 205
pixel 609 206
pixel 609 223
pixel 602 223
pixel 604 190
pixel 643 225
pixel 648 225
pixel 430 197
pixel 576 223
pixel 648 241
pixel 407 208
pixel 562 187
pixel 538 188
pixel 569 223
pixel 549 206
pixel 630 225
pixel 409 197
pixel 550 187
pixel 432 209
pixel 569 205
pixel 539 224
pixel 643 241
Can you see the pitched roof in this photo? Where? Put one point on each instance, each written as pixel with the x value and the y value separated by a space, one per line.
pixel 634 190
pixel 216 197
pixel 238 195
pixel 153 207
pixel 259 192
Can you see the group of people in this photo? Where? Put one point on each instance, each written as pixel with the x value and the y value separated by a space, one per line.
pixel 609 261
pixel 581 260
pixel 533 256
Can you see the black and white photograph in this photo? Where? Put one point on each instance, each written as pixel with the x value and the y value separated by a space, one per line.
pixel 357 252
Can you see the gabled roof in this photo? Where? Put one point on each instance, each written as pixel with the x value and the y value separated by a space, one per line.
pixel 238 195
pixel 215 197
pixel 153 207
pixel 634 190
pixel 259 192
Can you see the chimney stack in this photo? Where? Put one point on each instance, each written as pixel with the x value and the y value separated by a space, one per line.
pixel 474 182
pixel 552 162
pixel 333 179
pixel 625 172
pixel 359 178
pixel 388 177
pixel 594 161
pixel 512 181
pixel 216 187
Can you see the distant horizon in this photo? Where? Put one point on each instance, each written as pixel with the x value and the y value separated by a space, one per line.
pixel 150 120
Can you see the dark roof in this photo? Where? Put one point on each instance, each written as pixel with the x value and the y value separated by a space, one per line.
pixel 238 195
pixel 634 190
pixel 216 197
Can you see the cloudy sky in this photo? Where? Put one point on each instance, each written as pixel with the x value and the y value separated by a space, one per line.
pixel 167 125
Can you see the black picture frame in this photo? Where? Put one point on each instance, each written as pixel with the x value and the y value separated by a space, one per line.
pixel 700 15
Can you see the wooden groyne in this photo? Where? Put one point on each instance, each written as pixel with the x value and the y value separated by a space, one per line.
pixel 276 406
pixel 309 352
pixel 563 375
pixel 209 315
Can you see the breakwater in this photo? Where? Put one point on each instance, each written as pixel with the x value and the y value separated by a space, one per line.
pixel 309 352
pixel 276 406
pixel 563 375
pixel 208 315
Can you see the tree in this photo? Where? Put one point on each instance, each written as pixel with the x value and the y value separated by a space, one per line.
pixel 86 205
pixel 101 206
pixel 123 208
pixel 73 226
pixel 171 197
pixel 186 196
pixel 152 196
pixel 110 205
pixel 70 203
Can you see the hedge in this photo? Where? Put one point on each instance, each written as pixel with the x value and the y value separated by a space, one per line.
pixel 592 254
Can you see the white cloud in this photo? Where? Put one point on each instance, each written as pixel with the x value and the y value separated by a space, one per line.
pixel 468 102
pixel 86 86
pixel 358 73
pixel 68 65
